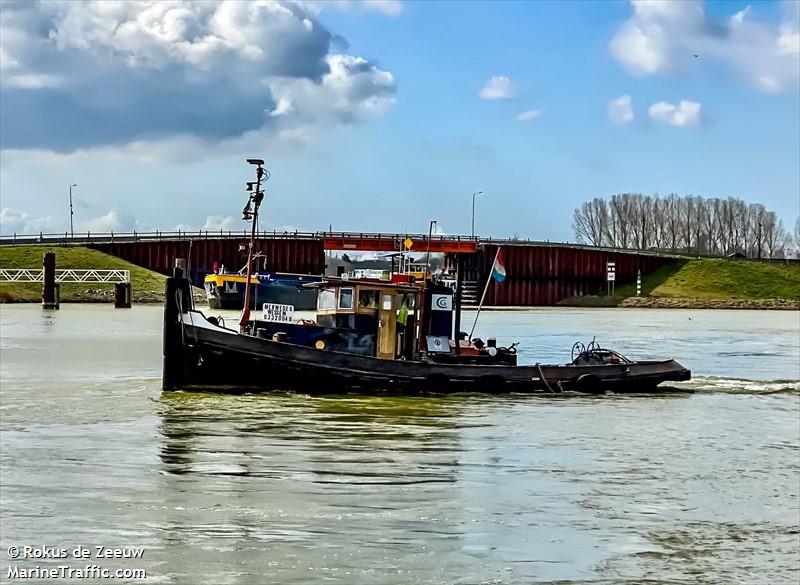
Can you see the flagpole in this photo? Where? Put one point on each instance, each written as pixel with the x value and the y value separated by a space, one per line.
pixel 483 296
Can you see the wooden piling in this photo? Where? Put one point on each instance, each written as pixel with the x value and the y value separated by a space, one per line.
pixel 177 300
pixel 57 295
pixel 122 295
pixel 50 290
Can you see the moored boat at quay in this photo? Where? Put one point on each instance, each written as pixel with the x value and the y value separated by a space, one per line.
pixel 226 290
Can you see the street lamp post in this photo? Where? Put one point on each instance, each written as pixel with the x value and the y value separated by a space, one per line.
pixel 473 212
pixel 71 230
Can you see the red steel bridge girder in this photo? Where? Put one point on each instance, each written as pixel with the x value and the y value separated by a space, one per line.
pixel 538 273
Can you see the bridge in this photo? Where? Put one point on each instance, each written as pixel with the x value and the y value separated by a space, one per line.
pixel 538 272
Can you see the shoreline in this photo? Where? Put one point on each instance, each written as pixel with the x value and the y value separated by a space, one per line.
pixel 585 302
pixel 102 297
pixel 680 303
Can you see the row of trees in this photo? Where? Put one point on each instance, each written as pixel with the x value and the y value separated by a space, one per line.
pixel 690 224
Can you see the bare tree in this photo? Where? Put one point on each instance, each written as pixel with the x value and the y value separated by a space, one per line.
pixel 590 221
pixel 774 235
pixel 711 226
pixel 757 212
pixel 620 208
pixel 797 238
pixel 671 214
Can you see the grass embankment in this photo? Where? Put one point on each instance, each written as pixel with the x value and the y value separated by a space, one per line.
pixel 710 283
pixel 146 285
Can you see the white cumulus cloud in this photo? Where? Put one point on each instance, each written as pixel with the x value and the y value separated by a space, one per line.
pixel 387 7
pixel 620 110
pixel 221 222
pixel 686 113
pixel 113 221
pixel 665 36
pixel 528 115
pixel 16 221
pixel 32 80
pixel 86 74
pixel 332 96
pixel 497 88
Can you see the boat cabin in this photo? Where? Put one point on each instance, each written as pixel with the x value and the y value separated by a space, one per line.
pixel 389 320
pixel 382 315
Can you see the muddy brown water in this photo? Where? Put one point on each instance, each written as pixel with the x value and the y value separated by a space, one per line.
pixel 700 487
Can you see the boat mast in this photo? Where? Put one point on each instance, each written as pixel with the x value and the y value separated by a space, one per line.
pixel 249 213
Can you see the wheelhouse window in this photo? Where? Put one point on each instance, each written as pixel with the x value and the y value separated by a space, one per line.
pixel 368 299
pixel 346 298
pixel 326 299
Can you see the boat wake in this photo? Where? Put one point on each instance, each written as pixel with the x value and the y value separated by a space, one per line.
pixel 726 385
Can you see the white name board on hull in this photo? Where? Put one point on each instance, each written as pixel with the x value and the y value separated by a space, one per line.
pixel 278 313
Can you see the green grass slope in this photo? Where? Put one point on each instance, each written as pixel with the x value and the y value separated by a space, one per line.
pixel 717 278
pixel 710 283
pixel 146 285
pixel 650 281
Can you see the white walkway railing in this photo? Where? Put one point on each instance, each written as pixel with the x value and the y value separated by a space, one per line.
pixel 65 275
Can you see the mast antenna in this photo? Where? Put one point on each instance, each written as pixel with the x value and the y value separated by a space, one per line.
pixel 250 213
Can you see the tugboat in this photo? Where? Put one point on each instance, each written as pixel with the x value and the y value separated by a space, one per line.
pixel 373 335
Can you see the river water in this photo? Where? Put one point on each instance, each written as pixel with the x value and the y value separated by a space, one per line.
pixel 700 487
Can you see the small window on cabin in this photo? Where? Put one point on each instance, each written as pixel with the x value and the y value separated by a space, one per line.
pixel 346 298
pixel 368 299
pixel 326 299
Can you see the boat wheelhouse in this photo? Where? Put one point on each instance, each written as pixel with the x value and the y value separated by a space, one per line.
pixel 400 320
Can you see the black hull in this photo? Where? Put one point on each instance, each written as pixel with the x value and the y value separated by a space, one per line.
pixel 224 362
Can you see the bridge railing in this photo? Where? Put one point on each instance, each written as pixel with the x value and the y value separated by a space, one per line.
pixel 66 275
pixel 121 237
pixel 105 237
pixel 181 235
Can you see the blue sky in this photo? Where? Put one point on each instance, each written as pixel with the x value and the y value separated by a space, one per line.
pixel 371 117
